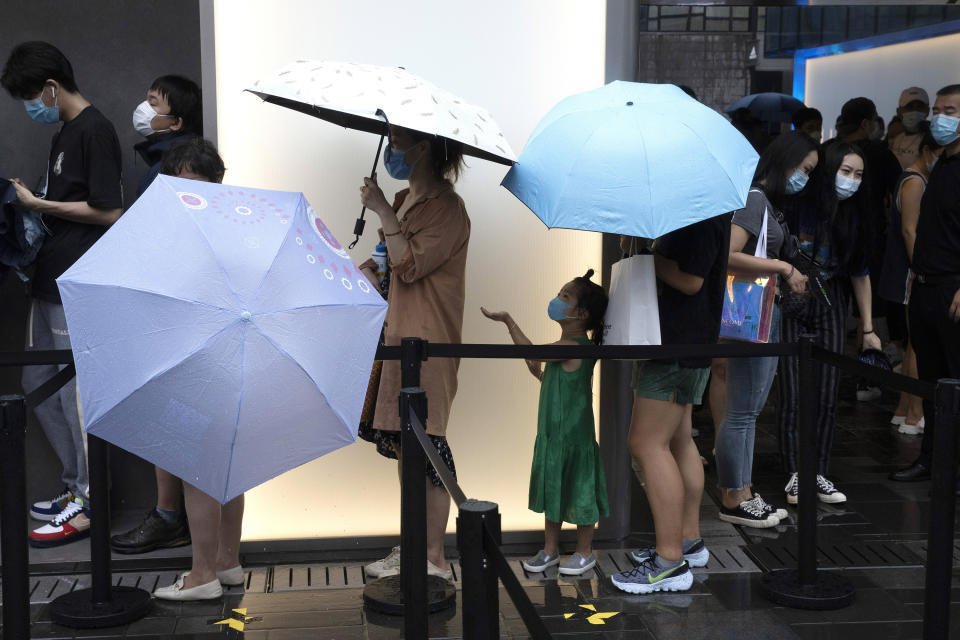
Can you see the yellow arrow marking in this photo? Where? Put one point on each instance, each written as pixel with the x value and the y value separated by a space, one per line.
pixel 233 624
pixel 599 618
pixel 242 612
pixel 589 606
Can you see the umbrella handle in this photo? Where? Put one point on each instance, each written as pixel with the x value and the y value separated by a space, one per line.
pixel 360 223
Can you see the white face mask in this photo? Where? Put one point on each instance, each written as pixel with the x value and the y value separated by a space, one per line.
pixel 143 115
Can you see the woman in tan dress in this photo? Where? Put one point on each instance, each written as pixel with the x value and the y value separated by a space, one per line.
pixel 427 231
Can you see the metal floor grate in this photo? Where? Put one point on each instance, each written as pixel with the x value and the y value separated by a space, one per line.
pixel 311 577
pixel 863 555
pixel 920 548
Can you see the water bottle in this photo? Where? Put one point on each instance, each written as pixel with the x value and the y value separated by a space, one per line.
pixel 380 257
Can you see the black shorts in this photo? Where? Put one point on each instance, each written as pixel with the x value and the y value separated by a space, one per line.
pixel 388 444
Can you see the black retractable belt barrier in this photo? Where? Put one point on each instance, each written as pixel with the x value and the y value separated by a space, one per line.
pixel 13 517
pixel 478 576
pixel 936 604
pixel 103 604
pixel 806 587
pixel 413 593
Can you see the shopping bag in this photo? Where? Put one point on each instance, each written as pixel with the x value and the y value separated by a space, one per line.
pixel 748 302
pixel 633 316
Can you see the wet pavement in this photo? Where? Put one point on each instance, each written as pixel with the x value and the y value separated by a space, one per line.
pixel 877 539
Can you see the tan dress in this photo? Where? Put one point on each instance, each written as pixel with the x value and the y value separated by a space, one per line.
pixel 426 299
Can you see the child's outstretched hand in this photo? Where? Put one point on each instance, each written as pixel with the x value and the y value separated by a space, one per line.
pixel 497 316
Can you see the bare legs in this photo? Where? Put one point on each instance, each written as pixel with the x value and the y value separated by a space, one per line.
pixel 215 531
pixel 551 538
pixel 438 514
pixel 663 447
pixel 911 407
pixel 169 490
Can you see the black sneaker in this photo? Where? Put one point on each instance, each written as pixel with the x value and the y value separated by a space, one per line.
pixel 770 509
pixel 152 533
pixel 749 514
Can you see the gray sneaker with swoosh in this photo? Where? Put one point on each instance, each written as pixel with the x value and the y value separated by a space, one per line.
pixel 648 577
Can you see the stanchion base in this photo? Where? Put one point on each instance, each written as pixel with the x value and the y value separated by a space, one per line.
pixel 384 595
pixel 830 590
pixel 77 609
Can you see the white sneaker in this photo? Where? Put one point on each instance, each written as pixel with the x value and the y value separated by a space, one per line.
pixel 389 566
pixel 434 570
pixel 912 429
pixel 828 493
pixel 898 420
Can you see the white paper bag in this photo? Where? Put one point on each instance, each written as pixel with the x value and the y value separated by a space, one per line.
pixel 633 316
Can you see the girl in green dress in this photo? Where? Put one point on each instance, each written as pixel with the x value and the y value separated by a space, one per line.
pixel 566 480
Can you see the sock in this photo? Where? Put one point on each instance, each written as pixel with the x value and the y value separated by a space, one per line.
pixel 663 563
pixel 688 543
pixel 170 516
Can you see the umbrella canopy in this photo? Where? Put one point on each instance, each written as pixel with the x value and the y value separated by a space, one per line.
pixel 221 333
pixel 635 159
pixel 769 107
pixel 366 97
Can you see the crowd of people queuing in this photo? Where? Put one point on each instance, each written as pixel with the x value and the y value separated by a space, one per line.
pixel 856 219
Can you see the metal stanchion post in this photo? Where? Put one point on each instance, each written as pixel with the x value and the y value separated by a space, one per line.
pixel 13 517
pixel 102 605
pixel 478 577
pixel 806 587
pixel 936 603
pixel 413 593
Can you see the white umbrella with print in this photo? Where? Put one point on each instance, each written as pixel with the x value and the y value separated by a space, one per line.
pixel 370 98
pixel 221 333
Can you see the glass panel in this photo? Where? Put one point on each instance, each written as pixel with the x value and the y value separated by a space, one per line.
pixel 920 16
pixel 696 23
pixel 718 12
pixel 834 24
pixel 810 21
pixel 741 25
pixel 653 12
pixel 718 25
pixel 674 11
pixel 891 19
pixel 653 25
pixel 789 25
pixel 673 24
pixel 862 22
pixel 741 12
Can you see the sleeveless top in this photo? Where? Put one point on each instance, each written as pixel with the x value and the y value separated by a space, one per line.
pixel 896 267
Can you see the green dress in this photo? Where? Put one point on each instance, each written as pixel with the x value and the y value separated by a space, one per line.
pixel 566 479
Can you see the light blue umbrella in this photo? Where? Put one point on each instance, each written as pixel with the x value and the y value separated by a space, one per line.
pixel 221 333
pixel 769 107
pixel 634 159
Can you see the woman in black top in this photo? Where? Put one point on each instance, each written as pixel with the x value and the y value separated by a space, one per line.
pixel 831 222
pixel 894 285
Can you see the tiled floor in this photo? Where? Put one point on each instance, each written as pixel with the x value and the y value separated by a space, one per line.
pixel 877 540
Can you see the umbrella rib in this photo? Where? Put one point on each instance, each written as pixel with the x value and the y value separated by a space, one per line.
pixel 155 293
pixel 266 272
pixel 203 235
pixel 236 426
pixel 287 355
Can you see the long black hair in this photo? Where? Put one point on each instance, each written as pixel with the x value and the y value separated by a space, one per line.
pixel 786 152
pixel 843 225
pixel 593 299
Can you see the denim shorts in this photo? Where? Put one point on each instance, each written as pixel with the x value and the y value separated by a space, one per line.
pixel 669 382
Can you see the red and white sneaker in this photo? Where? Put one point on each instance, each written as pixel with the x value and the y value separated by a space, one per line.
pixel 73 523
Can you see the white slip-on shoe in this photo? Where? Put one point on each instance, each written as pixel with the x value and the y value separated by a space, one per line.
pixel 388 566
pixel 209 591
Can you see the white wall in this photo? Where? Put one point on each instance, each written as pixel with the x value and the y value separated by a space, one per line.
pixel 517 59
pixel 881 74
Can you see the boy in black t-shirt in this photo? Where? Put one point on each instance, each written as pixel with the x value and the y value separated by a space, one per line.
pixel 691 267
pixel 83 196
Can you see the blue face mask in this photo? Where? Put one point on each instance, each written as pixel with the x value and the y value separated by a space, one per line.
pixel 394 164
pixel 944 129
pixel 797 182
pixel 557 310
pixel 846 187
pixel 41 112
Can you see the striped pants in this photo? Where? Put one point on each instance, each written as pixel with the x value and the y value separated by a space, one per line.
pixel 828 324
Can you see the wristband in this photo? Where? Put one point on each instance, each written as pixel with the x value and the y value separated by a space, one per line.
pixel 792 269
pixel 866 333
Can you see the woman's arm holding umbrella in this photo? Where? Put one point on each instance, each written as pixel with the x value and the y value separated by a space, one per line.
pixel 371 195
